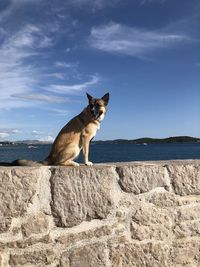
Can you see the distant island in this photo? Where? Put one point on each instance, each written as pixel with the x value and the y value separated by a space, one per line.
pixel 144 140
pixel 148 140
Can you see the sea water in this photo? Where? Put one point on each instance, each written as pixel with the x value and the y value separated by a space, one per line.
pixel 109 152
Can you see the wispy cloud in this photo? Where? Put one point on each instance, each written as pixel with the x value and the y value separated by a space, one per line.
pixel 5 133
pixel 59 111
pixel 116 38
pixel 143 2
pixel 17 77
pixel 41 136
pixel 94 4
pixel 62 64
pixel 36 133
pixel 41 98
pixel 57 75
pixel 74 88
pixel 48 138
pixel 20 78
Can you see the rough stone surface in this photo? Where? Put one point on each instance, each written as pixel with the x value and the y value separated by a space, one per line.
pixel 39 223
pixel 82 195
pixel 137 255
pixel 34 258
pixel 185 179
pixel 86 256
pixel 117 215
pixel 18 187
pixel 186 252
pixel 148 222
pixel 140 179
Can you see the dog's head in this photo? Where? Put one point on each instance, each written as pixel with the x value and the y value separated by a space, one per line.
pixel 98 106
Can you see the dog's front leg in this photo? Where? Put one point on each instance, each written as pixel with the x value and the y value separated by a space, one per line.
pixel 85 143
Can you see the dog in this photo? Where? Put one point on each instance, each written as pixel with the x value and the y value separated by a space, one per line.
pixel 75 136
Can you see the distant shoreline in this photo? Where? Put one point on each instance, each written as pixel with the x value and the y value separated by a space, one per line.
pixel 144 140
pixel 148 140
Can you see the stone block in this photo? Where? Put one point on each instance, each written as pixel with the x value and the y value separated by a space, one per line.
pixel 185 252
pixel 137 255
pixel 18 187
pixel 94 255
pixel 34 258
pixel 185 178
pixel 187 229
pixel 149 222
pixel 163 199
pixel 37 224
pixel 142 178
pixel 188 212
pixel 82 194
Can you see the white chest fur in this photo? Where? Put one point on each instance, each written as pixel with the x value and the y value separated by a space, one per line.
pixel 101 117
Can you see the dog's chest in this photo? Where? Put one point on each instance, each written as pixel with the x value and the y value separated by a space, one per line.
pixel 92 128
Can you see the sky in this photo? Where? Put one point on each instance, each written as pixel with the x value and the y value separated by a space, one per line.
pixel 145 53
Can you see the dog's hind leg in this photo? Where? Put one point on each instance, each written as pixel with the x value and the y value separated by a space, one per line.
pixel 67 159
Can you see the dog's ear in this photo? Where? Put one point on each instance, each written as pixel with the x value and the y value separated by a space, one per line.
pixel 105 98
pixel 90 98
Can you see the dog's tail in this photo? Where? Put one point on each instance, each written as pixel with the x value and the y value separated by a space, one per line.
pixel 26 162
pixel 5 163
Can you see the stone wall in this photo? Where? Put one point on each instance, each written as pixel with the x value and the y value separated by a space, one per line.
pixel 120 215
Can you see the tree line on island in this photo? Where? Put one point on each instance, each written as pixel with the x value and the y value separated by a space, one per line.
pixel 148 140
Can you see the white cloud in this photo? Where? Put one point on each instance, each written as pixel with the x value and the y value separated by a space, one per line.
pixel 62 64
pixel 68 50
pixel 94 4
pixel 143 2
pixel 29 36
pixel 41 136
pixel 16 76
pixel 36 133
pixel 59 111
pixel 5 133
pixel 57 75
pixel 119 39
pixel 74 87
pixel 41 97
pixel 49 138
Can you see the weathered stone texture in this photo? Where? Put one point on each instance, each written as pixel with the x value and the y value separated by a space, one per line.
pixel 138 179
pixel 94 255
pixel 149 222
pixel 82 194
pixel 97 232
pixel 34 258
pixel 185 178
pixel 185 252
pixel 137 255
pixel 129 215
pixel 39 223
pixel 18 186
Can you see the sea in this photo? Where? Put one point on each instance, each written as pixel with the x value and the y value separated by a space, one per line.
pixel 102 153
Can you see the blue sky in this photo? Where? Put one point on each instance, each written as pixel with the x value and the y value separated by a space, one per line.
pixel 146 53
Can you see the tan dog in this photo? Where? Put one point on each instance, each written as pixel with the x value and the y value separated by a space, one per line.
pixel 76 135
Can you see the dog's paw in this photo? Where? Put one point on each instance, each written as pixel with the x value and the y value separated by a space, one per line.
pixel 88 163
pixel 75 164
